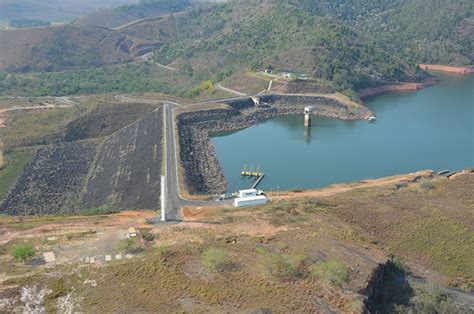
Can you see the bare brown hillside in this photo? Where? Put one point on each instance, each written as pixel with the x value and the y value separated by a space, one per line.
pixel 71 46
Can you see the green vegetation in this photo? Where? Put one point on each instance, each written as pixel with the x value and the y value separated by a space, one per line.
pixel 130 246
pixel 37 126
pixel 443 238
pixel 130 78
pixel 215 259
pixel 281 265
pixel 22 252
pixel 447 243
pixel 16 162
pixel 410 28
pixel 346 45
pixel 26 23
pixel 337 53
pixel 434 300
pixel 206 85
pixel 332 272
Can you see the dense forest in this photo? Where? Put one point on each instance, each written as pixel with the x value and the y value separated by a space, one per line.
pixel 346 44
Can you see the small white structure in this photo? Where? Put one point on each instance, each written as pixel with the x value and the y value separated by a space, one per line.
pixel 249 192
pixel 256 100
pixel 132 232
pixel 49 257
pixel 307 115
pixel 163 199
pixel 250 200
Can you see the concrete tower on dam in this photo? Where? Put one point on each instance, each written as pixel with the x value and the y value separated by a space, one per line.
pixel 307 115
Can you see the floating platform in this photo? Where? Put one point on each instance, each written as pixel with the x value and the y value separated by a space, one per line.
pixel 251 174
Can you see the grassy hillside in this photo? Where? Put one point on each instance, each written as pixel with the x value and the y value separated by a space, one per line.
pixel 312 254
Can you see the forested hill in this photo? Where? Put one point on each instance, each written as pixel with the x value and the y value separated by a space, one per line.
pixel 346 44
pixel 230 37
pixel 428 31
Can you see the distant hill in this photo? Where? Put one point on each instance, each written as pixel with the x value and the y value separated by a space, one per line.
pixel 347 45
pixel 72 46
pixel 431 31
pixel 114 17
pixel 54 10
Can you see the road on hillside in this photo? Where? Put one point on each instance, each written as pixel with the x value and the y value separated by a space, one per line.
pixel 174 201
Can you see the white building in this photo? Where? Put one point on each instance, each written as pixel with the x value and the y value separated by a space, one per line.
pixel 250 200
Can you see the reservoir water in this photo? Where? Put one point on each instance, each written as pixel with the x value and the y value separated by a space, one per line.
pixel 428 129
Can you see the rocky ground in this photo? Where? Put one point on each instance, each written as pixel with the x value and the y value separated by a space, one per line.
pixel 52 181
pixel 127 171
pixel 108 158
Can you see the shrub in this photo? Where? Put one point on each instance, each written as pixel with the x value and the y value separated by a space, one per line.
pixel 282 246
pixel 397 263
pixel 22 252
pixel 331 272
pixel 281 265
pixel 162 250
pixel 148 237
pixel 130 246
pixel 435 301
pixel 215 259
pixel 426 184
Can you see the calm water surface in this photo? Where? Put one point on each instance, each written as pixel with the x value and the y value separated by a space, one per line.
pixel 429 129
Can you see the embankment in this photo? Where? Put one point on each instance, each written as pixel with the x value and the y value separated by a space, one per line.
pixel 203 173
pixel 447 68
pixel 395 87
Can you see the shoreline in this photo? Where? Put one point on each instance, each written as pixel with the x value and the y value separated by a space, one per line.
pixel 447 68
pixel 203 174
pixel 396 87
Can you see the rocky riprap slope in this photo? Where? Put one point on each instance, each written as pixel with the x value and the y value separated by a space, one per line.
pixel 52 182
pixel 127 172
pixel 97 167
pixel 105 120
pixel 203 173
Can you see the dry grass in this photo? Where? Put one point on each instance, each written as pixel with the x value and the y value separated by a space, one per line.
pixel 286 238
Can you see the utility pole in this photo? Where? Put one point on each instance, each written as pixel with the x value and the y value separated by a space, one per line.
pixel 163 199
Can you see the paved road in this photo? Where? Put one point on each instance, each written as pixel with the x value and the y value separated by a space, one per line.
pixel 174 201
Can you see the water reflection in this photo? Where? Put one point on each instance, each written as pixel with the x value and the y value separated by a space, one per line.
pixel 307 134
